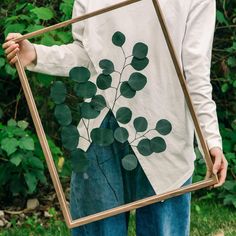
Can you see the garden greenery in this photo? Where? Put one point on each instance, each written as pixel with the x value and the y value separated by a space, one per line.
pixel 24 17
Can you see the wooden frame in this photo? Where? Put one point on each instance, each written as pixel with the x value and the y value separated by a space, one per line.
pixel 210 179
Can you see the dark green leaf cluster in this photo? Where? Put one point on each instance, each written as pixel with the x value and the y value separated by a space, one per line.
pixel 21 169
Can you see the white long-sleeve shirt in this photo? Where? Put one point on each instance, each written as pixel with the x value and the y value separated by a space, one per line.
pixel 191 25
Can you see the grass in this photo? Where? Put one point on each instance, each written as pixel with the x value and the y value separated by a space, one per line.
pixel 207 218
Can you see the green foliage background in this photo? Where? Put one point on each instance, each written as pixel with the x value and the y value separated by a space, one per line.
pixel 21 16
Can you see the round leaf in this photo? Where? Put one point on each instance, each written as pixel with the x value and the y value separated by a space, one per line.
pixel 140 50
pixel 118 39
pixel 137 81
pixel 102 136
pixel 58 92
pixel 126 90
pixel 98 103
pixel 79 161
pixel 79 74
pixel 140 124
pixel 70 137
pixel 124 115
pixel 139 64
pixel 63 114
pixel 144 147
pixel 158 144
pixel 129 162
pixel 88 112
pixel 104 81
pixel 107 66
pixel 121 134
pixel 164 127
pixel 86 90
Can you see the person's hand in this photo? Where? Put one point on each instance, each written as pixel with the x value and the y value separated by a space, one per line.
pixel 220 165
pixel 25 50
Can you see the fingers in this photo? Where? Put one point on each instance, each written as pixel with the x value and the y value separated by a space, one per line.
pixel 220 165
pixel 12 55
pixel 13 60
pixel 217 162
pixel 222 172
pixel 12 36
pixel 12 47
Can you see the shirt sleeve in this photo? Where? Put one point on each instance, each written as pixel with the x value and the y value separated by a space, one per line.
pixel 58 60
pixel 196 57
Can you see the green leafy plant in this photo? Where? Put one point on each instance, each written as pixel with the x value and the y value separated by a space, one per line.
pixel 22 163
pixel 20 169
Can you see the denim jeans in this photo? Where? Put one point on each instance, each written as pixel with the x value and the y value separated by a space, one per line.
pixel 106 185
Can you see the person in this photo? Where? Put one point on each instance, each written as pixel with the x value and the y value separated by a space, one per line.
pixel 191 26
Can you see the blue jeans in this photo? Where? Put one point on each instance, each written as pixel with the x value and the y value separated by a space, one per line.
pixel 106 185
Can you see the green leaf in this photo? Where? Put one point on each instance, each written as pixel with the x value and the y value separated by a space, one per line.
pixel 121 134
pixel 10 70
pixel 70 137
pixel 58 92
pixel 87 111
pixel 16 159
pixel 86 90
pixel 35 162
pixel 107 66
pixel 140 124
pixel 31 181
pixel 118 39
pixel 124 115
pixel 221 18
pixel 22 124
pixel 129 162
pixel 139 64
pixel 11 123
pixel 63 114
pixel 2 62
pixel 79 161
pixel 9 145
pixel 158 145
pixel 144 147
pixel 98 103
pixel 43 13
pixel 224 87
pixel 79 74
pixel 137 81
pixel 31 28
pixel 126 91
pixel 102 136
pixel 44 80
pixel 26 143
pixel 164 127
pixel 104 81
pixel 231 61
pixel 17 27
pixel 39 174
pixel 140 50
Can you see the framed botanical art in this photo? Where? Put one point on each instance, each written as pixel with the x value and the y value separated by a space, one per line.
pixel 123 93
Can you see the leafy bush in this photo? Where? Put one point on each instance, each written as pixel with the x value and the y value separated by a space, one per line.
pixel 20 168
pixel 22 163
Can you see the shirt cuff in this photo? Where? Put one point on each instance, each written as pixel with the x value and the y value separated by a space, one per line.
pixel 39 49
pixel 216 142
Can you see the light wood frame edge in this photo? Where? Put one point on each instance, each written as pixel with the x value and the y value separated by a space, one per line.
pixel 209 181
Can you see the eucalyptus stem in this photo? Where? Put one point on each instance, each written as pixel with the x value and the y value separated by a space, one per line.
pixel 141 136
